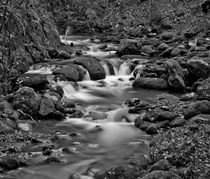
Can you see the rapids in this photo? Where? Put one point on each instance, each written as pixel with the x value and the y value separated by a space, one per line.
pixel 105 136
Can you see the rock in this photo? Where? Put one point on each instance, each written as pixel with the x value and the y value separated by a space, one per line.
pixel 164 115
pixel 176 52
pixel 205 6
pixel 141 124
pixel 161 165
pixel 190 34
pixel 166 35
pixel 199 107
pixel 197 68
pixel 203 90
pixel 11 164
pixel 71 72
pixel 129 47
pixel 132 102
pixel 150 83
pixel 47 107
pixel 151 129
pixel 162 47
pixel 93 66
pixel 177 122
pixel 188 97
pixel 27 100
pixel 200 119
pixel 140 161
pixel 37 82
pixel 160 174
pixel 176 76
pixel 147 49
pixel 63 55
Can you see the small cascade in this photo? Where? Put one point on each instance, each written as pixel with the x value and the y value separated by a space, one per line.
pixel 42 70
pixel 106 68
pixel 87 76
pixel 124 69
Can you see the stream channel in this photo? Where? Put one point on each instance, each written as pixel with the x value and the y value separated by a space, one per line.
pixel 103 138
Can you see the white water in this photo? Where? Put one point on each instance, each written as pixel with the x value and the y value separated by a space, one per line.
pixel 107 133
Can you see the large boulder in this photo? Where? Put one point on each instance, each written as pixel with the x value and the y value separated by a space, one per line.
pixel 160 174
pixel 150 83
pixel 26 100
pixel 129 47
pixel 93 66
pixel 71 72
pixel 176 76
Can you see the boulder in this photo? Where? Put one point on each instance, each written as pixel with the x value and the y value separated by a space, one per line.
pixel 140 161
pixel 27 100
pixel 166 35
pixel 150 83
pixel 141 124
pixel 47 107
pixel 93 66
pixel 197 68
pixel 71 72
pixel 163 164
pixel 167 53
pixel 199 107
pixel 162 47
pixel 37 82
pixel 129 47
pixel 203 90
pixel 151 129
pixel 164 115
pixel 151 41
pixel 63 55
pixel 147 49
pixel 176 76
pixel 177 122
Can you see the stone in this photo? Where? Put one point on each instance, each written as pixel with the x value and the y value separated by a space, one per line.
pixel 140 161
pixel 63 55
pixel 93 66
pixel 151 129
pixel 167 53
pixel 189 97
pixel 151 41
pixel 11 164
pixel 141 124
pixel 166 35
pixel 37 82
pixel 164 115
pixel 177 122
pixel 26 100
pixel 71 72
pixel 199 107
pixel 129 47
pixel 53 53
pixel 47 107
pixel 200 119
pixel 197 68
pixel 176 76
pixel 205 6
pixel 150 83
pixel 147 49
pixel 162 47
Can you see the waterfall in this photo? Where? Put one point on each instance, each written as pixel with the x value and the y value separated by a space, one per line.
pixel 106 68
pixel 124 69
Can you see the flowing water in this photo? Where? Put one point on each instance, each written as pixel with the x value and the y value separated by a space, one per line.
pixel 105 136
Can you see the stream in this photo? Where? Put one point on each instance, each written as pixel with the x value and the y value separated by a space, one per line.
pixel 105 136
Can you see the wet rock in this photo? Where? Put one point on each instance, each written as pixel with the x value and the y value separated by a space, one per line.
pixel 74 176
pixel 200 119
pixel 203 90
pixel 53 53
pixel 132 102
pixel 199 107
pixel 27 100
pixel 37 82
pixel 150 83
pixel 140 161
pixel 71 72
pixel 166 35
pixel 122 172
pixel 160 174
pixel 50 160
pixel 176 76
pixel 205 6
pixel 177 122
pixel 63 55
pixel 151 41
pixel 7 111
pixel 93 66
pixel 161 165
pixel 151 129
pixel 129 47
pixel 57 89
